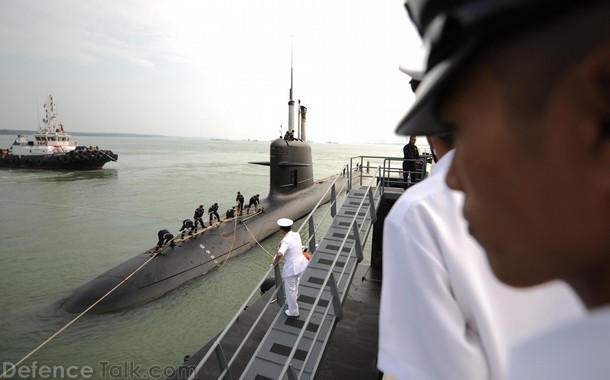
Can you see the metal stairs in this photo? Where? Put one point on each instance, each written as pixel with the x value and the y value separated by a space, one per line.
pixel 293 348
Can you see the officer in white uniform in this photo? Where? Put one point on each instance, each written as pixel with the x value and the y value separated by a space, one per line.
pixel 294 266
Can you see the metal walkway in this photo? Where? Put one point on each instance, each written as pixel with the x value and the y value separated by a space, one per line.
pixel 261 342
pixel 294 347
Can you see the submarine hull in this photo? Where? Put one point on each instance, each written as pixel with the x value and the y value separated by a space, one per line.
pixel 194 255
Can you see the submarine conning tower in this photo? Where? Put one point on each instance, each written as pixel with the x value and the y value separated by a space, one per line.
pixel 291 168
pixel 290 164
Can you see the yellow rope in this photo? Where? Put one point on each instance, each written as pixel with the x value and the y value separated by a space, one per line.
pixel 259 244
pixel 14 366
pixel 154 254
pixel 232 242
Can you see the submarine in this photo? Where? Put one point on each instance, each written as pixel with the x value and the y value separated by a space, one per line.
pixel 293 193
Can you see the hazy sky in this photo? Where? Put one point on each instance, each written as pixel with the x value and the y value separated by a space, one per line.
pixel 206 68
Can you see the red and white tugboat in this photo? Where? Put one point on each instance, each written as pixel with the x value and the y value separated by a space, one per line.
pixel 52 148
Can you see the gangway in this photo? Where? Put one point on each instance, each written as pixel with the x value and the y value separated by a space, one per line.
pixel 278 347
pixel 295 347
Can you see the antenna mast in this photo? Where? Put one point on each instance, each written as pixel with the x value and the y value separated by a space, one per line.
pixel 290 100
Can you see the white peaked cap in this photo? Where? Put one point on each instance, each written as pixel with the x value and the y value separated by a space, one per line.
pixel 415 66
pixel 284 222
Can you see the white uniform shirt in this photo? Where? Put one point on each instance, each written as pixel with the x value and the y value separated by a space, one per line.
pixel 295 262
pixel 443 313
pixel 580 350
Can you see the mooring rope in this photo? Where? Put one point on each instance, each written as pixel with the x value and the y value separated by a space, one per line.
pixel 107 155
pixel 153 254
pixel 233 242
pixel 14 366
pixel 259 244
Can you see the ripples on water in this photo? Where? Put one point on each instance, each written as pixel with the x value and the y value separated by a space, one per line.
pixel 61 229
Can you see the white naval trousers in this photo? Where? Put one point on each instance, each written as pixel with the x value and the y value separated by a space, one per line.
pixel 291 287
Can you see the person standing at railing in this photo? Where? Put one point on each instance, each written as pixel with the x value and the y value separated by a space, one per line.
pixel 294 265
pixel 409 165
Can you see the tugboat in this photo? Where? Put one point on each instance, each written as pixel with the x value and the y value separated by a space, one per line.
pixel 52 148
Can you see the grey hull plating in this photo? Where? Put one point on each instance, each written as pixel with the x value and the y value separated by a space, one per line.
pixel 293 194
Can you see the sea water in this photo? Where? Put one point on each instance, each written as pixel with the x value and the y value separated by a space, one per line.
pixel 60 229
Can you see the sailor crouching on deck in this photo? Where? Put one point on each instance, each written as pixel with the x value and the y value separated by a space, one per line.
pixel 254 201
pixel 187 224
pixel 165 237
pixel 294 266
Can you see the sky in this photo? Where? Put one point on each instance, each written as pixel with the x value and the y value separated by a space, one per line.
pixel 207 68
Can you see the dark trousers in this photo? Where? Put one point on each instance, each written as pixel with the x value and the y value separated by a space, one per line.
pixel 163 240
pixel 250 205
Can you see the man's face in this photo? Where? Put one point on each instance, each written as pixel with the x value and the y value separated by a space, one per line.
pixel 412 140
pixel 525 201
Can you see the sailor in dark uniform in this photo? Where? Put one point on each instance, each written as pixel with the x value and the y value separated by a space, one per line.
pixel 165 237
pixel 409 165
pixel 240 202
pixel 187 224
pixel 213 212
pixel 198 214
pixel 254 201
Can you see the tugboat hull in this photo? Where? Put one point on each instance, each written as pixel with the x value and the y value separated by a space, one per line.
pixel 89 159
pixel 52 148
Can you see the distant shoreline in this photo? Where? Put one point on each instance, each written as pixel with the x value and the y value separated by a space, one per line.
pixel 15 132
pixel 25 132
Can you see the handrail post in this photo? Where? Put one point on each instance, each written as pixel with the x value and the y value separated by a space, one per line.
pixel 290 373
pixel 383 173
pixel 424 165
pixel 334 292
pixel 349 176
pixel 222 362
pixel 387 171
pixel 279 285
pixel 372 206
pixel 312 236
pixel 359 254
pixel 360 170
pixel 333 201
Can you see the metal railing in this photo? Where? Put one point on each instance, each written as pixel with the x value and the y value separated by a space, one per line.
pixel 278 292
pixel 329 280
pixel 392 169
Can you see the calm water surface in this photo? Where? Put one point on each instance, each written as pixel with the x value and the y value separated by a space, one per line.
pixel 61 229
